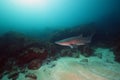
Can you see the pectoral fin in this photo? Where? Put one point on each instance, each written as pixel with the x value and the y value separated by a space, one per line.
pixel 71 46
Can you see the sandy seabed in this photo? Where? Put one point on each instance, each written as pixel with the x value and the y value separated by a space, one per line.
pixel 67 68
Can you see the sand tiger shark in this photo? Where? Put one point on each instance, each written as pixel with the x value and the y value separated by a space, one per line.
pixel 75 41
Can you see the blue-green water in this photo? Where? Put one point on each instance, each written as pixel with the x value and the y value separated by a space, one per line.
pixel 32 17
pixel 82 34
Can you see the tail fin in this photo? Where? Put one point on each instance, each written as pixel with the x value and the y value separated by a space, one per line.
pixel 89 38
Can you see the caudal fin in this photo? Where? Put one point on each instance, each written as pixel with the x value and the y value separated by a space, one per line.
pixel 89 37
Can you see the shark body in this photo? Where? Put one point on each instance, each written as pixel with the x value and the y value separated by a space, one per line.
pixel 75 41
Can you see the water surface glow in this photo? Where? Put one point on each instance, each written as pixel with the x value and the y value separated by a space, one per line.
pixel 41 14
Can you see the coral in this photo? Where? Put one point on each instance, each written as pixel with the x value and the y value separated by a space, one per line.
pixel 87 51
pixel 66 52
pixel 13 75
pixel 34 64
pixel 25 59
pixel 3 61
pixel 105 54
pixel 18 51
pixel 37 50
pixel 31 54
pixel 31 76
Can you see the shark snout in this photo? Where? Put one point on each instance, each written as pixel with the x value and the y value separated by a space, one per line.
pixel 56 43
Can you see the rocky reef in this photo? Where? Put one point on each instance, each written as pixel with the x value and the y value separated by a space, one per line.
pixel 19 52
pixel 25 56
pixel 98 67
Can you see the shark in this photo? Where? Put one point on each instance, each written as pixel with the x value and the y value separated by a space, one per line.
pixel 75 41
